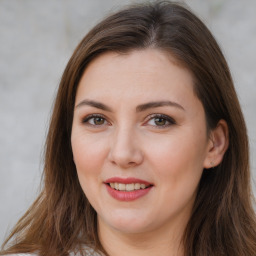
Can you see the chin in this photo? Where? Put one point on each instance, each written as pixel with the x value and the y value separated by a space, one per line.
pixel 128 223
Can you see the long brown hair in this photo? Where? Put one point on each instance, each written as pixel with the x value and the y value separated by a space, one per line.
pixel 223 221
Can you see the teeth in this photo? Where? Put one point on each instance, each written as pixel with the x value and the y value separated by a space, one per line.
pixel 127 187
pixel 137 186
pixel 121 186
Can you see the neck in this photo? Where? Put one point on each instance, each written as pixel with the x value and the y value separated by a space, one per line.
pixel 165 241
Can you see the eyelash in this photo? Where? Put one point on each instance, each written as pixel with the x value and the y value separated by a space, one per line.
pixel 93 116
pixel 170 121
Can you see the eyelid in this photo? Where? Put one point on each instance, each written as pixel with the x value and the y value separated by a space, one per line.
pixel 169 119
pixel 90 116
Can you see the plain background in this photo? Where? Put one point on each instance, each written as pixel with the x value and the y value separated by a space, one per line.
pixel 36 40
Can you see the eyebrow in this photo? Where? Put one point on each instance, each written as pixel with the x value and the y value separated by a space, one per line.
pixel 156 104
pixel 139 108
pixel 94 104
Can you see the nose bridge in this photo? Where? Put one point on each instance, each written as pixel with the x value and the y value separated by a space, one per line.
pixel 125 150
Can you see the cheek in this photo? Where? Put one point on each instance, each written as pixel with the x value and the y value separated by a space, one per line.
pixel 178 168
pixel 179 159
pixel 88 152
pixel 89 155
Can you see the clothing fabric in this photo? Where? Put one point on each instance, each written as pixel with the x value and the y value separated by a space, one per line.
pixel 71 254
pixel 89 252
pixel 22 254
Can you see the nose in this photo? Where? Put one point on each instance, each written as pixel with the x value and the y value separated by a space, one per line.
pixel 125 150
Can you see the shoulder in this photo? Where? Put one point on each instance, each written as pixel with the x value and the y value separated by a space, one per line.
pixel 89 252
pixel 22 254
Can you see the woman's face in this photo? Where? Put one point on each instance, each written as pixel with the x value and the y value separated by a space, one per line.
pixel 139 140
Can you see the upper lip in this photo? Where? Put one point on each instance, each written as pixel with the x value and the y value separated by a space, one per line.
pixel 127 180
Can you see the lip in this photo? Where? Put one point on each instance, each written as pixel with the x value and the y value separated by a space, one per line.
pixel 127 180
pixel 127 195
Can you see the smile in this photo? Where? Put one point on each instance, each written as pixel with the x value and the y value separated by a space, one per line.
pixel 127 187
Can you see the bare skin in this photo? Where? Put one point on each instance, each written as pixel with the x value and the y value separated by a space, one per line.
pixel 136 116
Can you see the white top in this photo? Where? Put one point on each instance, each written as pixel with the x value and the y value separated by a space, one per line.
pixel 22 254
pixel 27 254
pixel 90 253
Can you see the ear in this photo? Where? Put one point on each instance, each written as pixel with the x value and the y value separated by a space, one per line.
pixel 217 145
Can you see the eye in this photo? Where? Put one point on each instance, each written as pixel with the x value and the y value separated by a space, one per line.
pixel 95 120
pixel 160 120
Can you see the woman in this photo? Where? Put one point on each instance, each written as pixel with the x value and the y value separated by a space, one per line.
pixel 147 152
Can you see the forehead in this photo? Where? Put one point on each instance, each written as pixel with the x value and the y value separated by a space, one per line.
pixel 138 75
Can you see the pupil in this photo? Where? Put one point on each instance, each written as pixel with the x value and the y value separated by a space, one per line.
pixel 98 120
pixel 160 121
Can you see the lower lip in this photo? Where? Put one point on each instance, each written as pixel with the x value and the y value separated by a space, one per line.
pixel 127 195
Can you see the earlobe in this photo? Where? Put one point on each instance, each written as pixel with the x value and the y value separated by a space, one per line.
pixel 218 145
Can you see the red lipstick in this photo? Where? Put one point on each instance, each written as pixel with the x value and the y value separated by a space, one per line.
pixel 142 188
pixel 127 181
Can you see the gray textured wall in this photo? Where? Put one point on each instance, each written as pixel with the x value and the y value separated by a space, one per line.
pixel 36 40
